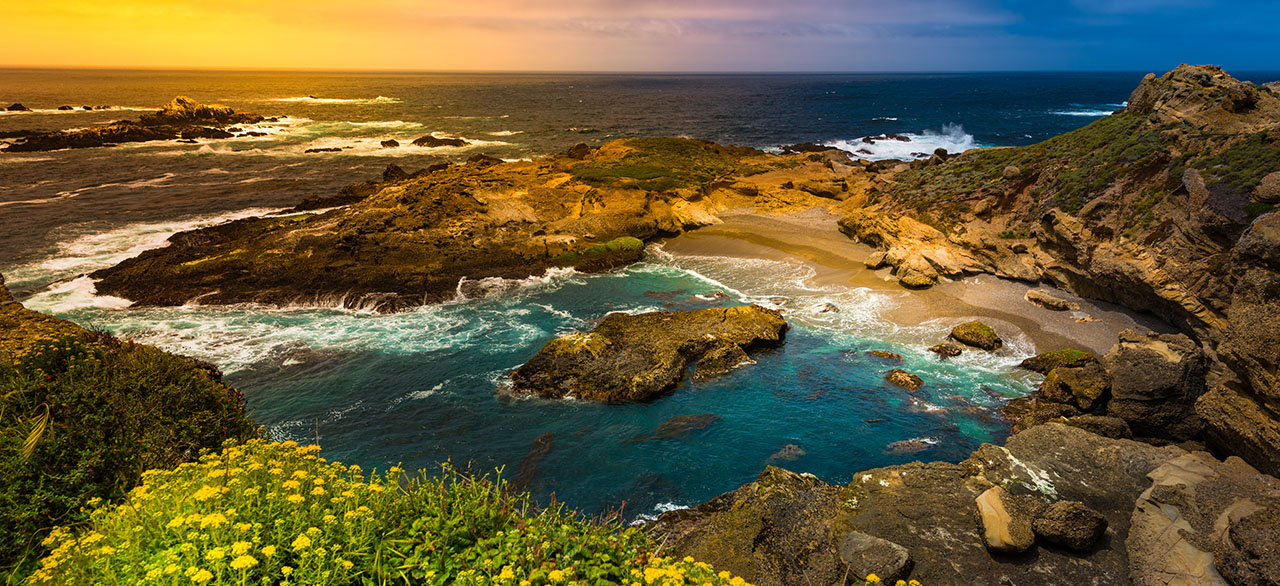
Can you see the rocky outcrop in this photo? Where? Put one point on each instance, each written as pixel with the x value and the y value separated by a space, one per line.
pixel 430 141
pixel 19 326
pixel 1043 363
pixel 1163 207
pixel 1205 522
pixel 904 379
pixel 636 357
pixel 1049 301
pixel 1155 382
pixel 464 230
pixel 789 529
pixel 1006 522
pixel 977 335
pixel 181 118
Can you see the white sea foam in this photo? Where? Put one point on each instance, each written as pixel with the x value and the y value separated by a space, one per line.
pixel 315 100
pixel 952 137
pixel 70 193
pixel 86 251
pixel 505 133
pixel 884 119
pixel 1090 111
pixel 39 111
pixel 658 510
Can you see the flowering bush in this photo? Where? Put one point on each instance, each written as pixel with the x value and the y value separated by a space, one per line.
pixel 277 513
pixel 81 416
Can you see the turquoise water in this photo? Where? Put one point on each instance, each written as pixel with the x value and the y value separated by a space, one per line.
pixel 426 386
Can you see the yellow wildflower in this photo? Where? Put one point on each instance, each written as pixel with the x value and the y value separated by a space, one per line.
pixel 506 573
pixel 243 562
pixel 301 542
pixel 241 547
pixel 269 550
pixel 556 576
pixel 202 576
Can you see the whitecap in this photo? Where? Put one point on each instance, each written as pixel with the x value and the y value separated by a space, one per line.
pixel 315 100
pixel 658 510
pixel 952 137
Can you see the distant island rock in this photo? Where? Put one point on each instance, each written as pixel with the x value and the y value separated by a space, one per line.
pixel 180 118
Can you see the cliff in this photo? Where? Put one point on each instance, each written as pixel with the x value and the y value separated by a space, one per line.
pixel 1164 207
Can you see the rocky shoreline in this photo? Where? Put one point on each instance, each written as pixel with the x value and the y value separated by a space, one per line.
pixel 1164 207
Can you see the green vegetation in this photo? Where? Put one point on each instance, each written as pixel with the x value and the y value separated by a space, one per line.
pixel 663 164
pixel 1245 163
pixel 1044 363
pixel 1072 168
pixel 276 513
pixel 82 416
pixel 624 244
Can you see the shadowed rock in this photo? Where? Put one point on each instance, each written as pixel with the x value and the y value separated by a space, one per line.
pixel 904 379
pixel 429 141
pixel 978 335
pixel 1043 363
pixel 181 117
pixel 635 357
pixel 946 350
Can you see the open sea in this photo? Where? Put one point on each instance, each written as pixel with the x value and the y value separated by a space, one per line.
pixel 425 386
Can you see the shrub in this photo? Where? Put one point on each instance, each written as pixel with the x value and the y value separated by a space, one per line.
pixel 276 513
pixel 82 416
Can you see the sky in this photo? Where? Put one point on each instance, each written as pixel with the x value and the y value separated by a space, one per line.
pixel 644 35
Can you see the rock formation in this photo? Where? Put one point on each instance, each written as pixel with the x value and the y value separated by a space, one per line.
pixel 636 357
pixel 181 118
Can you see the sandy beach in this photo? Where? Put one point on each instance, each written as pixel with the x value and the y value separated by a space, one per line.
pixel 812 238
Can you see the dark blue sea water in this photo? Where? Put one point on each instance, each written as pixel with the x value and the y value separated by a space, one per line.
pixel 425 386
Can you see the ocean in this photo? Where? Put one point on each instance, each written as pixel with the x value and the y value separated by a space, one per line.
pixel 425 386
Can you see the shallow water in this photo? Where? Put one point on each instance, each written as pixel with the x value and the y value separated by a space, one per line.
pixel 423 386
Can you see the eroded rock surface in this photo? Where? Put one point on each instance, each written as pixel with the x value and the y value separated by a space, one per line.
pixel 181 117
pixel 635 357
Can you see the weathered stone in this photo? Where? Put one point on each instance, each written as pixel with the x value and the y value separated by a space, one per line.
pixel 18 108
pixel 1011 172
pixel 867 555
pixel 876 259
pixel 1182 523
pixel 1268 189
pixel 579 151
pixel 1112 427
pixel 1239 424
pixel 904 379
pixel 1087 385
pixel 788 452
pixel 1043 363
pixel 1070 524
pixel 1006 525
pixel 946 350
pixel 776 531
pixel 1028 412
pixel 978 335
pixel 390 144
pixel 1049 301
pixel 1156 380
pixel 634 357
pixel 1249 553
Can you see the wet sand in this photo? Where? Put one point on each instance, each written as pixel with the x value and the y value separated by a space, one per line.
pixel 812 238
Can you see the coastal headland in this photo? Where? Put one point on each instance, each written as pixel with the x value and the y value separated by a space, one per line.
pixel 1146 457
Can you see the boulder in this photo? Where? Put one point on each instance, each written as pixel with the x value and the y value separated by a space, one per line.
pixel 916 272
pixel 904 379
pixel 885 356
pixel 1011 172
pixel 1156 380
pixel 1083 386
pixel 429 141
pixel 1239 424
pixel 775 531
pixel 393 173
pixel 65 108
pixel 1006 523
pixel 1049 301
pixel 1268 190
pixel 1182 525
pixel 876 259
pixel 866 555
pixel 1112 427
pixel 977 335
pixel 1028 412
pixel 1070 524
pixel 18 108
pixel 390 144
pixel 579 151
pixel 636 357
pixel 1043 363
pixel 946 350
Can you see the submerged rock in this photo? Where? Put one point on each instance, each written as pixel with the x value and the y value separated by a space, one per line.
pixel 978 335
pixel 635 357
pixel 886 356
pixel 788 452
pixel 529 465
pixel 679 427
pixel 18 108
pixel 390 144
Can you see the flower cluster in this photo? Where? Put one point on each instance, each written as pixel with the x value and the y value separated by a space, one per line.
pixel 273 511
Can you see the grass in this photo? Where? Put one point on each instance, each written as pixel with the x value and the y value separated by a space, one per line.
pixel 664 164
pixel 1245 163
pixel 111 410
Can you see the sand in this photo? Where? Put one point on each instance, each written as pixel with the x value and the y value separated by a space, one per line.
pixel 812 238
